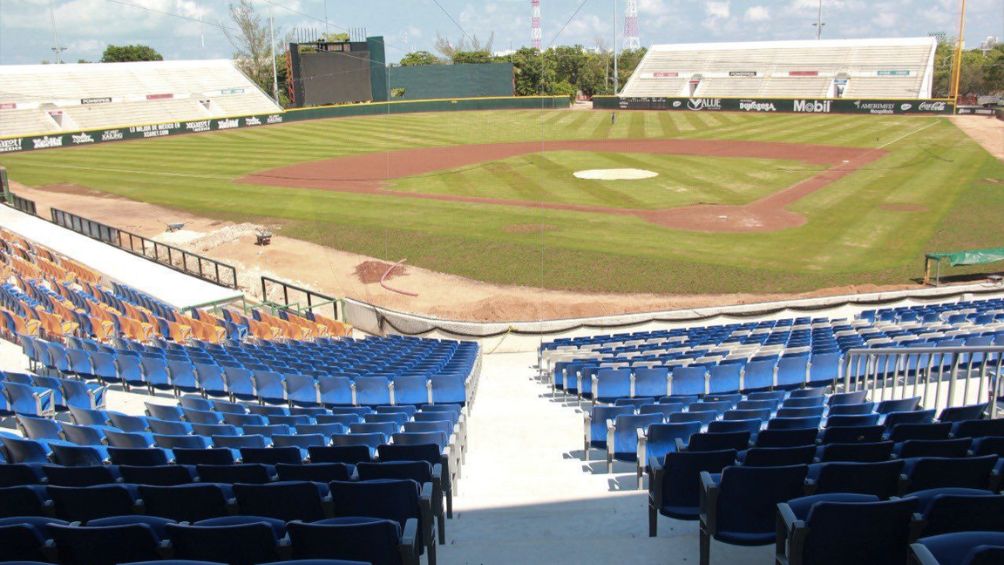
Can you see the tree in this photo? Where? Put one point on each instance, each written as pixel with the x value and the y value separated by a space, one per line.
pixel 468 43
pixel 419 58
pixel 534 73
pixel 251 43
pixel 476 57
pixel 128 53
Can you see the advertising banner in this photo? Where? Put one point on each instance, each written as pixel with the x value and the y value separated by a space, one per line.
pixel 31 143
pixel 788 105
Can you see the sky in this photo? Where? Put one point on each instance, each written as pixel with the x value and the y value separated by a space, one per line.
pixel 191 29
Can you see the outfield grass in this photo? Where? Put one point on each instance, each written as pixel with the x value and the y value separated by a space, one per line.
pixel 849 237
pixel 548 177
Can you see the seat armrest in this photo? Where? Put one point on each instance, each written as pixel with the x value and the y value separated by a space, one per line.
pixel 709 503
pixel 791 535
pixel 425 506
pixel 642 447
pixel 610 437
pixel 587 422
pixel 680 446
pixel 408 548
pixel 810 487
pixel 655 478
pixel 922 555
pixel 917 525
pixel 904 483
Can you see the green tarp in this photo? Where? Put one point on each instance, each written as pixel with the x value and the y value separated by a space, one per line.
pixel 971 257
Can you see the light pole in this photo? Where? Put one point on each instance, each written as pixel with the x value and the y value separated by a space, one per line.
pixel 275 71
pixel 819 22
pixel 615 48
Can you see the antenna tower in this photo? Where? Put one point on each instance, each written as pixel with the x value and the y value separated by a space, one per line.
pixel 631 39
pixel 535 24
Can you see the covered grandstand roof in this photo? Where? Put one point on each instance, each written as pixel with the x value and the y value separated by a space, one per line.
pixel 859 68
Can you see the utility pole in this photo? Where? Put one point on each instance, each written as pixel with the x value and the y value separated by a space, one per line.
pixel 275 71
pixel 616 86
pixel 819 22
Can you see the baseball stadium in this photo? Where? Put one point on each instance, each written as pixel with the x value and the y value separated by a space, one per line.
pixel 301 292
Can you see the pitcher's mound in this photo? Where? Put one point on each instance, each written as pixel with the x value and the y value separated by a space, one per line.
pixel 615 174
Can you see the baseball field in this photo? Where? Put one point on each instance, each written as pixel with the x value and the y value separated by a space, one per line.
pixel 752 203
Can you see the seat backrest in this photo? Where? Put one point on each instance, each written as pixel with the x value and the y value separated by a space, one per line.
pixel 316 472
pixel 391 499
pixel 349 454
pixel 80 476
pixel 936 430
pixel 291 500
pixel 808 422
pixel 860 452
pixel 914 417
pixel 934 448
pixel 978 428
pixel 681 481
pixel 244 473
pixel 854 397
pixel 242 543
pixel 80 504
pixel 272 455
pixel 110 545
pixel 144 457
pixel 952 512
pixel 844 420
pixel 852 434
pixel 937 472
pixel 752 426
pixel 803 401
pixel 779 456
pixel 898 405
pixel 162 475
pixel 626 431
pixel 859 532
pixel 428 452
pixel 418 471
pixel 717 441
pixel 879 478
pixel 747 502
pixel 23 501
pixel 747 414
pixel 959 413
pixel 184 503
pixel 367 540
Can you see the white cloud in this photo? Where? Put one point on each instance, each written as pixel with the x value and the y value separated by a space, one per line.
pixel 757 13
pixel 717 9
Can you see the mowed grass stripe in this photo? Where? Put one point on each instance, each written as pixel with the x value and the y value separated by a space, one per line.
pixel 848 237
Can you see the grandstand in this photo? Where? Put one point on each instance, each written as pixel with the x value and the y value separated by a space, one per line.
pixel 37 99
pixel 833 68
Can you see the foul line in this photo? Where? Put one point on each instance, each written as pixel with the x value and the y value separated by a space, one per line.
pixel 906 135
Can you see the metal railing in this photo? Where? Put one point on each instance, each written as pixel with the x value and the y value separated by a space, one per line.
pixel 23 204
pixel 313 299
pixel 178 259
pixel 941 376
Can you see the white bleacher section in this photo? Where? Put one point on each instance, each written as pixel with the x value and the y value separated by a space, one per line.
pixel 30 120
pixel 139 93
pixel 875 68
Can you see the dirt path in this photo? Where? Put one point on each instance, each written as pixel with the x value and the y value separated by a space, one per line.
pixel 368 173
pixel 334 272
pixel 988 132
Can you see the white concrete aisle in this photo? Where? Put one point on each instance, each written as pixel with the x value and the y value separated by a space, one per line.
pixel 527 498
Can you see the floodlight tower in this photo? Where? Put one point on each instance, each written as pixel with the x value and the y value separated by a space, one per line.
pixel 631 39
pixel 535 24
